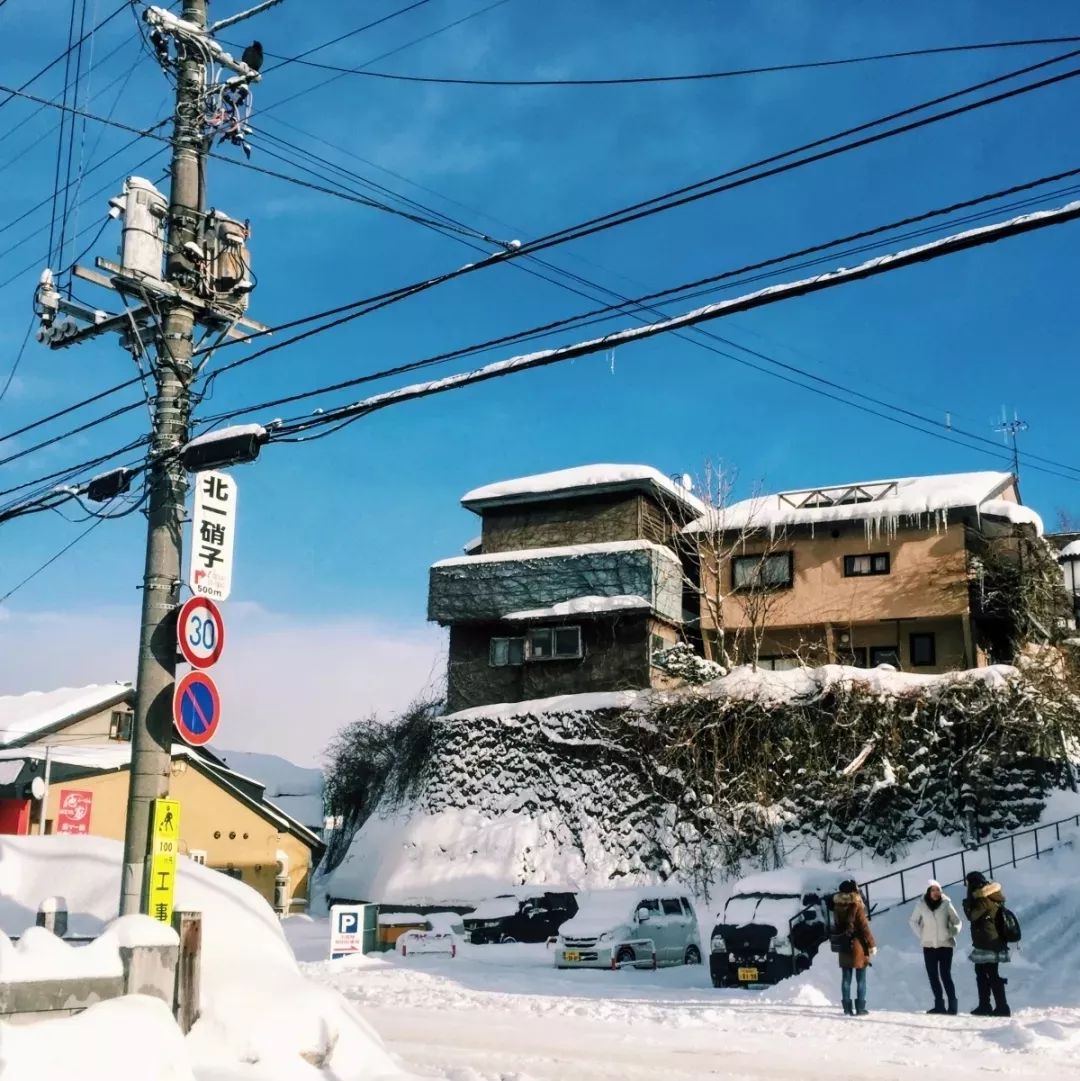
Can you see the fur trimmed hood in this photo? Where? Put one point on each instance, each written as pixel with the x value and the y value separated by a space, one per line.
pixel 992 891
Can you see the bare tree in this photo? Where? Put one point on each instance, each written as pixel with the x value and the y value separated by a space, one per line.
pixel 733 565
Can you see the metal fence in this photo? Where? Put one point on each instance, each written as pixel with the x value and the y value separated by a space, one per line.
pixel 952 868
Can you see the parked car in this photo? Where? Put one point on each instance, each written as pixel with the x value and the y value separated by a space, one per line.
pixel 772 926
pixel 647 926
pixel 528 914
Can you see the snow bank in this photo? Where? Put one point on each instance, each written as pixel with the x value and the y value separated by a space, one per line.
pixel 40 955
pixel 256 1006
pixel 126 1039
pixel 590 605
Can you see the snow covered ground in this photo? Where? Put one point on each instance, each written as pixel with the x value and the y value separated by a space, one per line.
pixel 502 1013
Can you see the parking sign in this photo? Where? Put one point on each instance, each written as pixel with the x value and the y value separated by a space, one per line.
pixel 347 926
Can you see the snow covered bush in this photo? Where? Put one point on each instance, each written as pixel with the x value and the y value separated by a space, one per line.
pixel 373 763
pixel 683 663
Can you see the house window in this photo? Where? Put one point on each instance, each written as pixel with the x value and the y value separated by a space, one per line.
pixel 864 566
pixel 884 655
pixel 120 726
pixel 506 651
pixel 231 871
pixel 772 571
pixel 854 655
pixel 554 643
pixel 778 664
pixel 657 643
pixel 923 649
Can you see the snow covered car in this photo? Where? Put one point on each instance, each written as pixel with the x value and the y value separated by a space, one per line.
pixel 772 926
pixel 651 925
pixel 528 914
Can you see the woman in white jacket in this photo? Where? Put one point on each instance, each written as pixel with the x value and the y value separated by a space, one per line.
pixel 936 924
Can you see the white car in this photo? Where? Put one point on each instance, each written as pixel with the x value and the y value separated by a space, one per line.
pixel 650 925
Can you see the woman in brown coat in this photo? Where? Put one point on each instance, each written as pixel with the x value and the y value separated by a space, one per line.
pixel 850 920
pixel 988 950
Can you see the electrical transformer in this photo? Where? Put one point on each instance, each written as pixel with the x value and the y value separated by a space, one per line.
pixel 227 265
pixel 142 244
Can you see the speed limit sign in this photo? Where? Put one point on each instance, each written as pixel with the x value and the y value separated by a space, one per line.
pixel 200 632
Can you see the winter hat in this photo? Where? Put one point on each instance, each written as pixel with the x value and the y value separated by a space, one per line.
pixel 975 879
pixel 848 886
pixel 932 883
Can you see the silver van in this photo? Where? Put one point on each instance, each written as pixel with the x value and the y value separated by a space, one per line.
pixel 649 926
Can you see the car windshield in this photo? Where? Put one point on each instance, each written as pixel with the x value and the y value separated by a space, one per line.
pixel 772 909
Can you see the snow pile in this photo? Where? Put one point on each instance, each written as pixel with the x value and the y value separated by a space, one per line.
pixel 884 505
pixel 297 790
pixel 125 1039
pixel 579 479
pixel 23 715
pixel 590 605
pixel 256 1007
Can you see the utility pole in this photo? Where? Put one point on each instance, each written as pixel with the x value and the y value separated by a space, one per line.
pixel 196 275
pixel 151 734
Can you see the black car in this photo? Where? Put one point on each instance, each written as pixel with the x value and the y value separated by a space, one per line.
pixel 524 916
pixel 765 935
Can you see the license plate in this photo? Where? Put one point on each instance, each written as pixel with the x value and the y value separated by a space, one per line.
pixel 748 975
pixel 572 955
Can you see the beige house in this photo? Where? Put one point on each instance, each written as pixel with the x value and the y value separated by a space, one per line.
pixel 867 573
pixel 77 740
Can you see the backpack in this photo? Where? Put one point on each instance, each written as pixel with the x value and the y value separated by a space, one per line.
pixel 1008 926
pixel 842 942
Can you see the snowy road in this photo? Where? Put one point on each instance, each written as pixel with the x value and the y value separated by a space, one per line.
pixel 501 1013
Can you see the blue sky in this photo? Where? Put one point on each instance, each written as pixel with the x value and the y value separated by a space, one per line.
pixel 344 529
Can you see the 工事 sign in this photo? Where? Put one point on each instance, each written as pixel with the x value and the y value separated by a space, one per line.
pixel 213 527
pixel 164 846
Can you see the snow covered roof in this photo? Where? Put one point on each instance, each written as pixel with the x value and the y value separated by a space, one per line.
pixel 911 499
pixel 518 554
pixel 23 716
pixel 583 478
pixel 580 606
pixel 1070 551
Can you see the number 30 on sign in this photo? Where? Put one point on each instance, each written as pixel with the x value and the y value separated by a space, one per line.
pixel 200 632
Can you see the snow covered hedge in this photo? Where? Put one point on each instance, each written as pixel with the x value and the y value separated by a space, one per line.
pixel 748 767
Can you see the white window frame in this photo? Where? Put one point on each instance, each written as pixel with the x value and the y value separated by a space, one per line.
pixel 553 631
pixel 508 663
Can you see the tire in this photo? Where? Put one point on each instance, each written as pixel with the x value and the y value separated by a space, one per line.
pixel 692 956
pixel 625 956
pixel 507 939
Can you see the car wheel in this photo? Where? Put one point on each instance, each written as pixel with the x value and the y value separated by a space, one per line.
pixel 625 956
pixel 693 956
pixel 507 938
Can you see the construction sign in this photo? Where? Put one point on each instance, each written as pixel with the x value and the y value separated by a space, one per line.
pixel 164 848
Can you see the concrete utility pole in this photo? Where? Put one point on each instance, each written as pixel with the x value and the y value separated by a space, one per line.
pixel 151 734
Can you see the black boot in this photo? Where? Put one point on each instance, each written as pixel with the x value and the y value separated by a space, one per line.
pixel 953 1006
pixel 1001 1006
pixel 846 1002
pixel 939 1006
pixel 982 982
pixel 860 1007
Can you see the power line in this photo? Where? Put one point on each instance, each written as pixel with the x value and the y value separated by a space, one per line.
pixel 52 559
pixel 372 303
pixel 706 76
pixel 72 408
pixel 935 249
pixel 65 54
pixel 18 360
pixel 299 58
pixel 653 206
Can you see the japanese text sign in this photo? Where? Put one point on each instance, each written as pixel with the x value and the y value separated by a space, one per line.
pixel 164 847
pixel 73 811
pixel 213 527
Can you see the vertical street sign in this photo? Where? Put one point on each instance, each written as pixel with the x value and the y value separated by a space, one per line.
pixel 213 527
pixel 164 847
